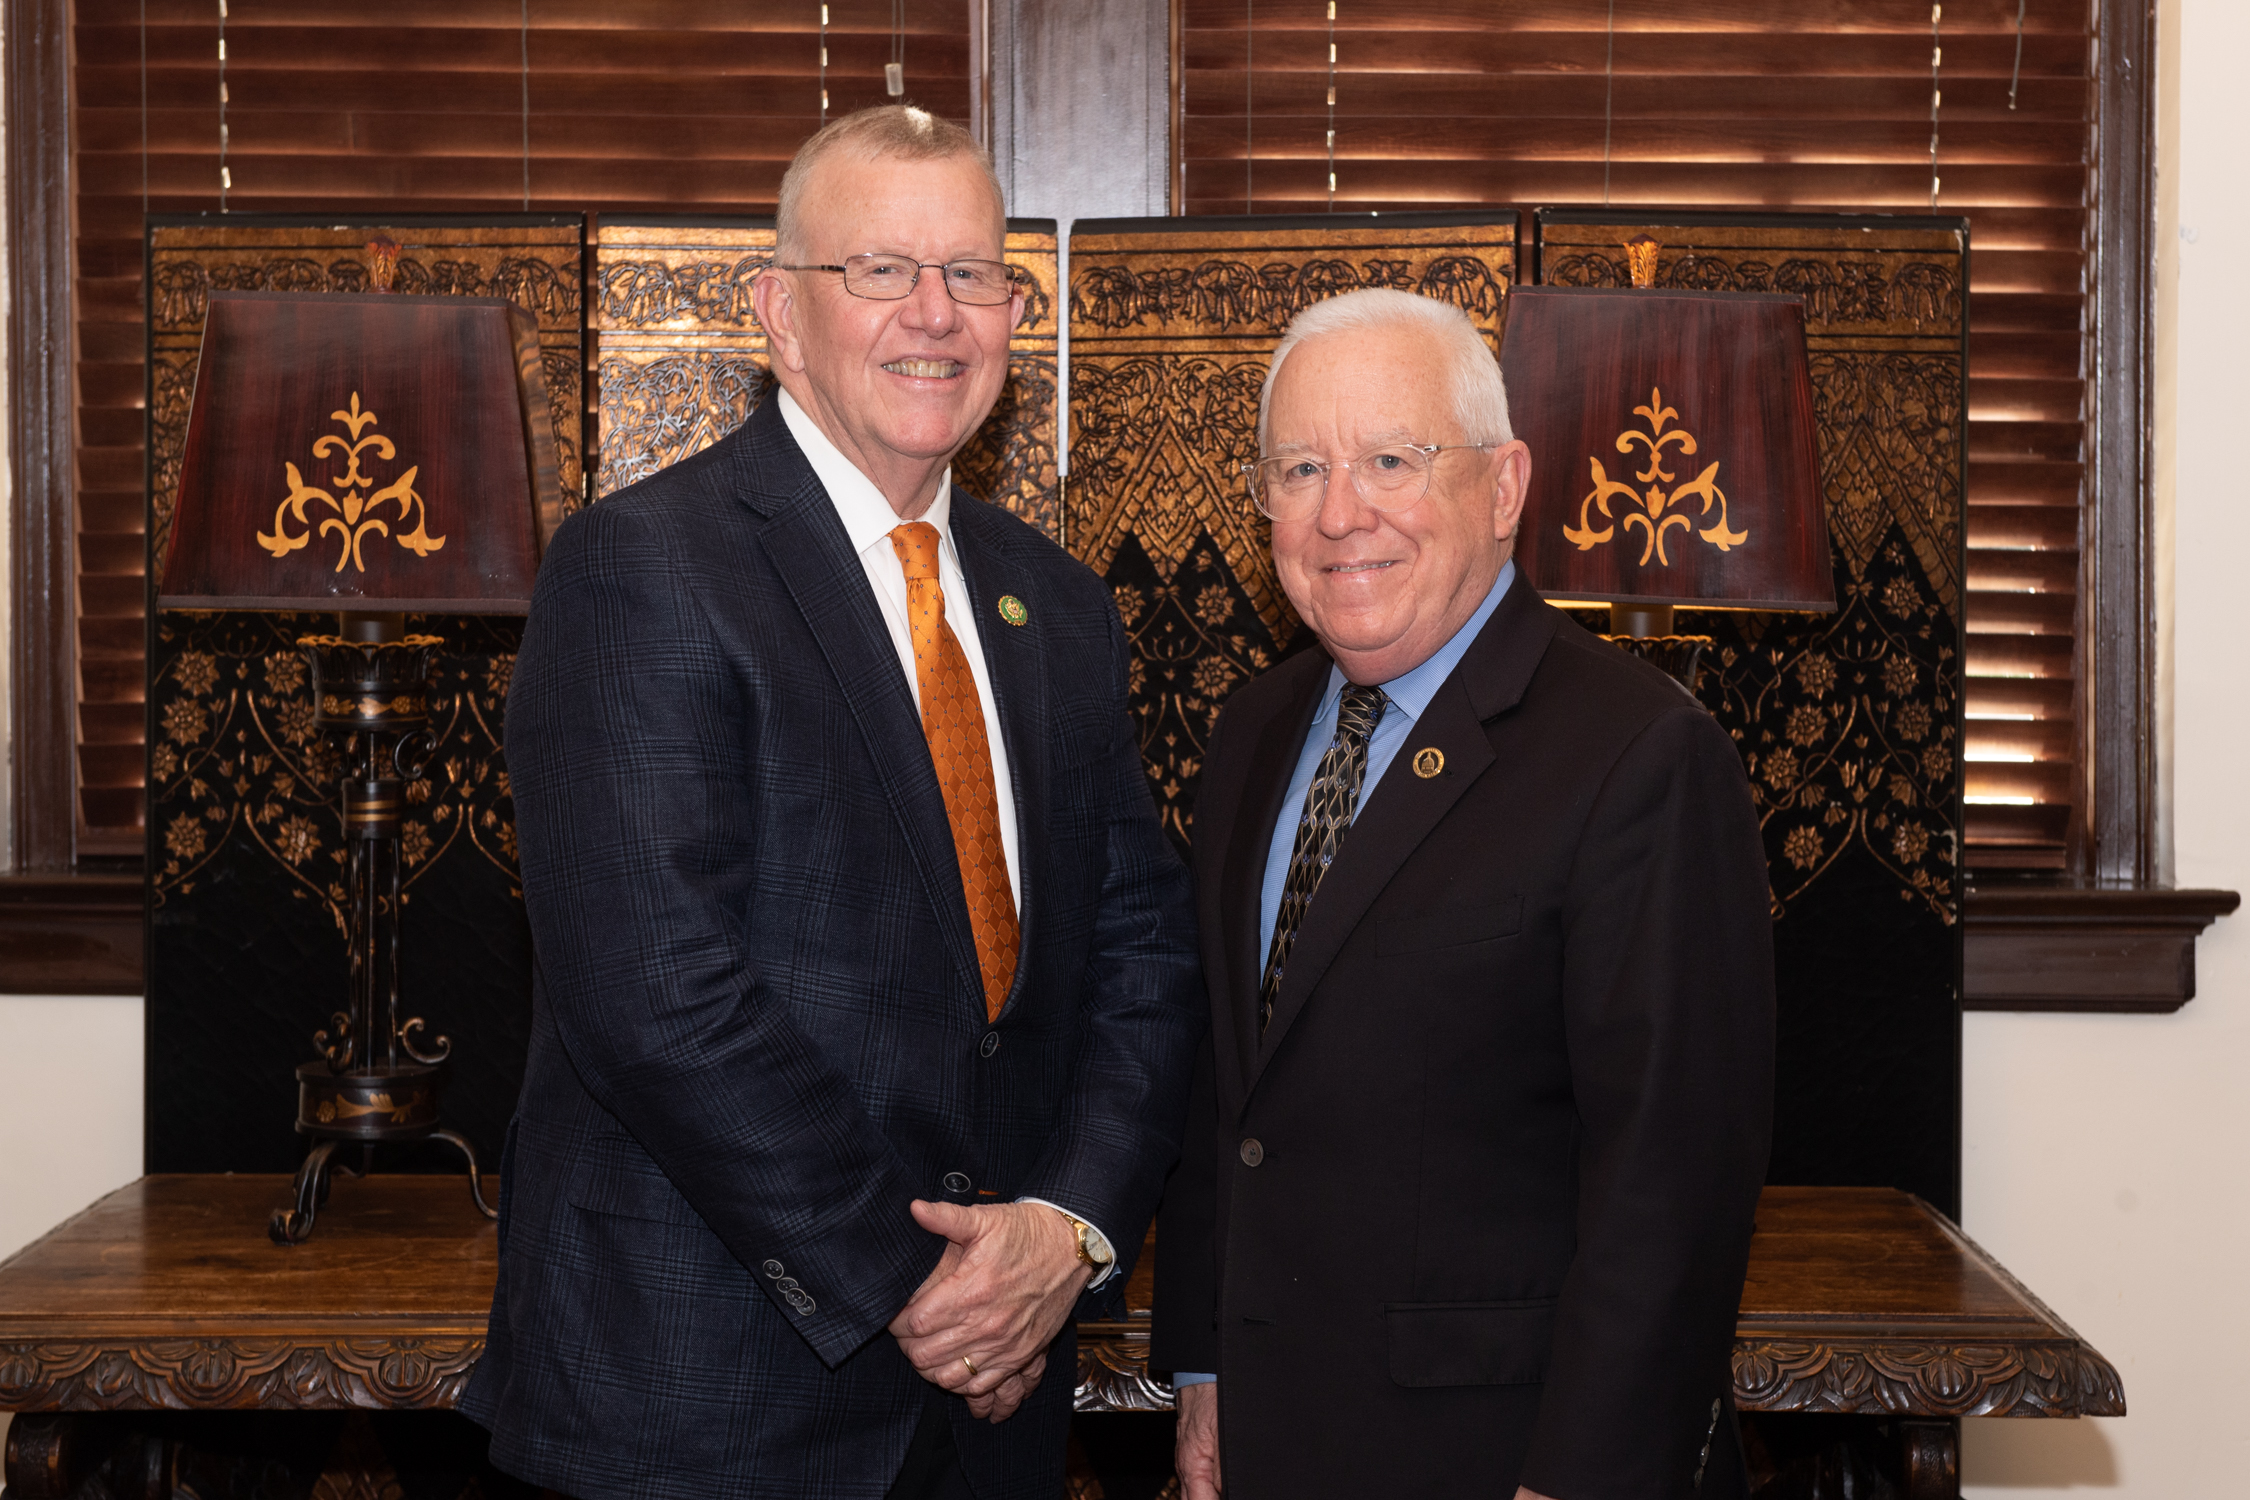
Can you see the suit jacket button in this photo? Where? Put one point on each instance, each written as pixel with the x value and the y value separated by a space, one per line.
pixel 956 1182
pixel 1252 1152
pixel 991 1044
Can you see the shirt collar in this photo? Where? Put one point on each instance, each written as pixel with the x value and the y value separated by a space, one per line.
pixel 867 516
pixel 1412 691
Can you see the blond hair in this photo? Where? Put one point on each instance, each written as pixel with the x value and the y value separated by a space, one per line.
pixel 904 131
pixel 1480 397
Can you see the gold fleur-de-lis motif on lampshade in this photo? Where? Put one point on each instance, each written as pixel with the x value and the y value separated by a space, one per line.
pixel 354 514
pixel 1652 510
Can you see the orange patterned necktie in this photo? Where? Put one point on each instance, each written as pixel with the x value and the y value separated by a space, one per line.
pixel 953 721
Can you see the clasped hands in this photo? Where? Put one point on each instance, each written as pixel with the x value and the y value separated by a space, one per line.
pixel 981 1322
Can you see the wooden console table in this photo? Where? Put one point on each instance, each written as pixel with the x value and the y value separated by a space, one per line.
pixel 167 1296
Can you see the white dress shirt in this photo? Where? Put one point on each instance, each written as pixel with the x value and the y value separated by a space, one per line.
pixel 869 521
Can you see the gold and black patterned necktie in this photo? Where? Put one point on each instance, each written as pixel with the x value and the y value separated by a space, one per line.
pixel 1329 804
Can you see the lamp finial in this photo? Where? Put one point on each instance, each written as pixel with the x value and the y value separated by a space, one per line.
pixel 1640 257
pixel 382 262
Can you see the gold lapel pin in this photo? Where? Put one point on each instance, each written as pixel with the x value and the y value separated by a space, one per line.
pixel 1428 762
pixel 1012 610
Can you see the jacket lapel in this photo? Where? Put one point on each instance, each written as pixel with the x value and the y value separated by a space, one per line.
pixel 1273 752
pixel 811 555
pixel 1015 658
pixel 1402 809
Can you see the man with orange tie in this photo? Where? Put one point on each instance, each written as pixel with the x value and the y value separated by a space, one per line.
pixel 865 994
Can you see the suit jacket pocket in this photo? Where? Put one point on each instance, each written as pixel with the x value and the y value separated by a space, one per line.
pixel 1449 926
pixel 1469 1343
pixel 629 1194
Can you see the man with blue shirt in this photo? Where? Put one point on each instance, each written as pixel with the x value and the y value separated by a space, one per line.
pixel 1479 1128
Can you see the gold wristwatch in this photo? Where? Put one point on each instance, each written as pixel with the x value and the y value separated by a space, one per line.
pixel 1101 1256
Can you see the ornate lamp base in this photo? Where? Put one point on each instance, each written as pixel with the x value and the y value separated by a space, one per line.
pixel 1679 657
pixel 374 1085
pixel 382 1106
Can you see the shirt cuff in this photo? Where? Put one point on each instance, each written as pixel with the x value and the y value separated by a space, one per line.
pixel 1095 1239
pixel 1182 1378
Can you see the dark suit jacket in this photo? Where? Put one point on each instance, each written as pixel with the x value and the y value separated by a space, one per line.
pixel 1511 1114
pixel 758 1023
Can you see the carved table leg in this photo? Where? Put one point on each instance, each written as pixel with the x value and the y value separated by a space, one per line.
pixel 1930 1458
pixel 44 1457
pixel 84 1456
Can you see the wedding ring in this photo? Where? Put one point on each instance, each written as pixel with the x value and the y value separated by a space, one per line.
pixel 972 1364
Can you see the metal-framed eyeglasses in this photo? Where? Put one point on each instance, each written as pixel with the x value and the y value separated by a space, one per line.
pixel 1390 478
pixel 888 278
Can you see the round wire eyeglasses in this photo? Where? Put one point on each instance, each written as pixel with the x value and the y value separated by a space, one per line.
pixel 1390 478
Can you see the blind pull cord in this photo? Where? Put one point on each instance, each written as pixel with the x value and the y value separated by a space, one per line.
pixel 226 177
pixel 1937 58
pixel 894 71
pixel 1249 106
pixel 1331 106
pixel 1609 92
pixel 2015 74
pixel 524 37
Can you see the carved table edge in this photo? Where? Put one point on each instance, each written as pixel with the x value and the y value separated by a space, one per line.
pixel 1897 1377
pixel 192 1373
pixel 1871 1377
pixel 1113 1373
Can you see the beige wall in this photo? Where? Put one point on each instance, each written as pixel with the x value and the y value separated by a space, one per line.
pixel 2108 1157
pixel 70 1109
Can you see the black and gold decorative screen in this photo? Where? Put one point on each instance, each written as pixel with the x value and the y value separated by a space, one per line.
pixel 1850 724
pixel 680 359
pixel 247 855
pixel 1172 324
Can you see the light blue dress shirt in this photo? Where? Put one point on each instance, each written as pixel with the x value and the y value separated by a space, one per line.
pixel 1410 695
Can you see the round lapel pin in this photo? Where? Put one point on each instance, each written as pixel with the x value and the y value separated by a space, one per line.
pixel 1012 610
pixel 1428 762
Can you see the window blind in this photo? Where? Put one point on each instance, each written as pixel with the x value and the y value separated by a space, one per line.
pixel 1810 105
pixel 421 106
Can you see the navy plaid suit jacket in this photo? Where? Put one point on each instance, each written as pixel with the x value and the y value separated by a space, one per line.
pixel 758 1024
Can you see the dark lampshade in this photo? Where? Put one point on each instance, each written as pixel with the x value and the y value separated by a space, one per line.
pixel 364 452
pixel 1673 454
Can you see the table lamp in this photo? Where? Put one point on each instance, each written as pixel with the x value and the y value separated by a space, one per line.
pixel 375 455
pixel 1674 456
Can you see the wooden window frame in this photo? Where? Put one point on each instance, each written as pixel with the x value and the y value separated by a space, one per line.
pixel 42 712
pixel 2108 936
pixel 2117 605
pixel 2114 891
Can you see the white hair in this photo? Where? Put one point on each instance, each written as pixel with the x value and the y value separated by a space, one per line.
pixel 1480 397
